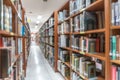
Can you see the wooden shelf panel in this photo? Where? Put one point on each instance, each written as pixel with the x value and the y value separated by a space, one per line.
pixel 90 31
pixel 49 44
pixel 8 34
pixel 115 27
pixel 5 47
pixel 100 56
pixel 115 61
pixel 97 5
pixel 67 48
pixel 83 77
pixel 66 33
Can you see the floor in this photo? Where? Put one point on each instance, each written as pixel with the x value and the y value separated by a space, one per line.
pixel 38 68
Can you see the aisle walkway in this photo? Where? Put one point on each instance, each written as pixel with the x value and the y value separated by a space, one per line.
pixel 38 68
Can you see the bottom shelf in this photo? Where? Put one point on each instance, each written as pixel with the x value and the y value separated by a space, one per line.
pixel 64 76
pixel 85 78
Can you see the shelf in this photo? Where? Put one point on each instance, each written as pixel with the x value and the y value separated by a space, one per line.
pixel 8 34
pixel 49 44
pixel 66 63
pixel 83 77
pixel 66 19
pixel 100 56
pixel 65 48
pixel 95 6
pixel 90 31
pixel 16 58
pixel 66 33
pixel 64 76
pixel 115 27
pixel 115 61
pixel 5 47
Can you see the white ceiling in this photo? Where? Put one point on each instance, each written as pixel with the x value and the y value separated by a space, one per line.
pixel 39 7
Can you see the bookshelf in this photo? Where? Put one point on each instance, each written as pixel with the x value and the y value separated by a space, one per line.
pixel 14 40
pixel 48 40
pixel 90 40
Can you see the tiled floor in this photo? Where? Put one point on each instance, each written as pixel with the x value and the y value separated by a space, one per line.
pixel 38 68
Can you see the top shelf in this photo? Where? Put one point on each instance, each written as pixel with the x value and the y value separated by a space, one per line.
pixel 97 5
pixel 9 3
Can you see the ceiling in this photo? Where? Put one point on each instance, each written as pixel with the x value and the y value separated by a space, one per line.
pixel 35 8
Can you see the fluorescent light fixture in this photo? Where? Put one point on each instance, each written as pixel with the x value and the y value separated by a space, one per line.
pixel 36 26
pixel 39 17
pixel 37 22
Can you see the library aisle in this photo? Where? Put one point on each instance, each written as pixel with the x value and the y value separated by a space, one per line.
pixel 38 68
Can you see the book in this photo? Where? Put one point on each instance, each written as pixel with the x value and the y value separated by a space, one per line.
pixel 4 61
pixel 1 14
pixel 114 69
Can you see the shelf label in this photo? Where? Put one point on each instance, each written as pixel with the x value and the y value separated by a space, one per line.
pixel 11 33
pixel 82 52
pixel 82 32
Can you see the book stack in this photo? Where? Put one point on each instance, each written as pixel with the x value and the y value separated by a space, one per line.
pixel 51 40
pixel 63 28
pixel 115 72
pixel 93 44
pixel 75 76
pixel 115 13
pixel 5 17
pixel 115 47
pixel 84 66
pixel 50 54
pixel 51 22
pixel 20 47
pixel 64 55
pixel 63 69
pixel 64 41
pixel 5 62
pixel 62 15
pixel 76 5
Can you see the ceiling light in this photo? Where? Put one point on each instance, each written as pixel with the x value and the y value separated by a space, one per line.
pixel 39 17
pixel 36 26
pixel 37 22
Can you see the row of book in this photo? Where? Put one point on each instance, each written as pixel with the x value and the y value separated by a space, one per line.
pixel 50 22
pixel 63 28
pixel 88 67
pixel 63 69
pixel 115 47
pixel 50 54
pixel 7 70
pixel 64 55
pixel 49 40
pixel 64 41
pixel 88 21
pixel 75 76
pixel 5 17
pixel 76 5
pixel 115 13
pixel 50 32
pixel 93 44
pixel 62 15
pixel 115 72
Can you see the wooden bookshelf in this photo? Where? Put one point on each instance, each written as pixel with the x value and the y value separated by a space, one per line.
pixel 13 33
pixel 98 5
